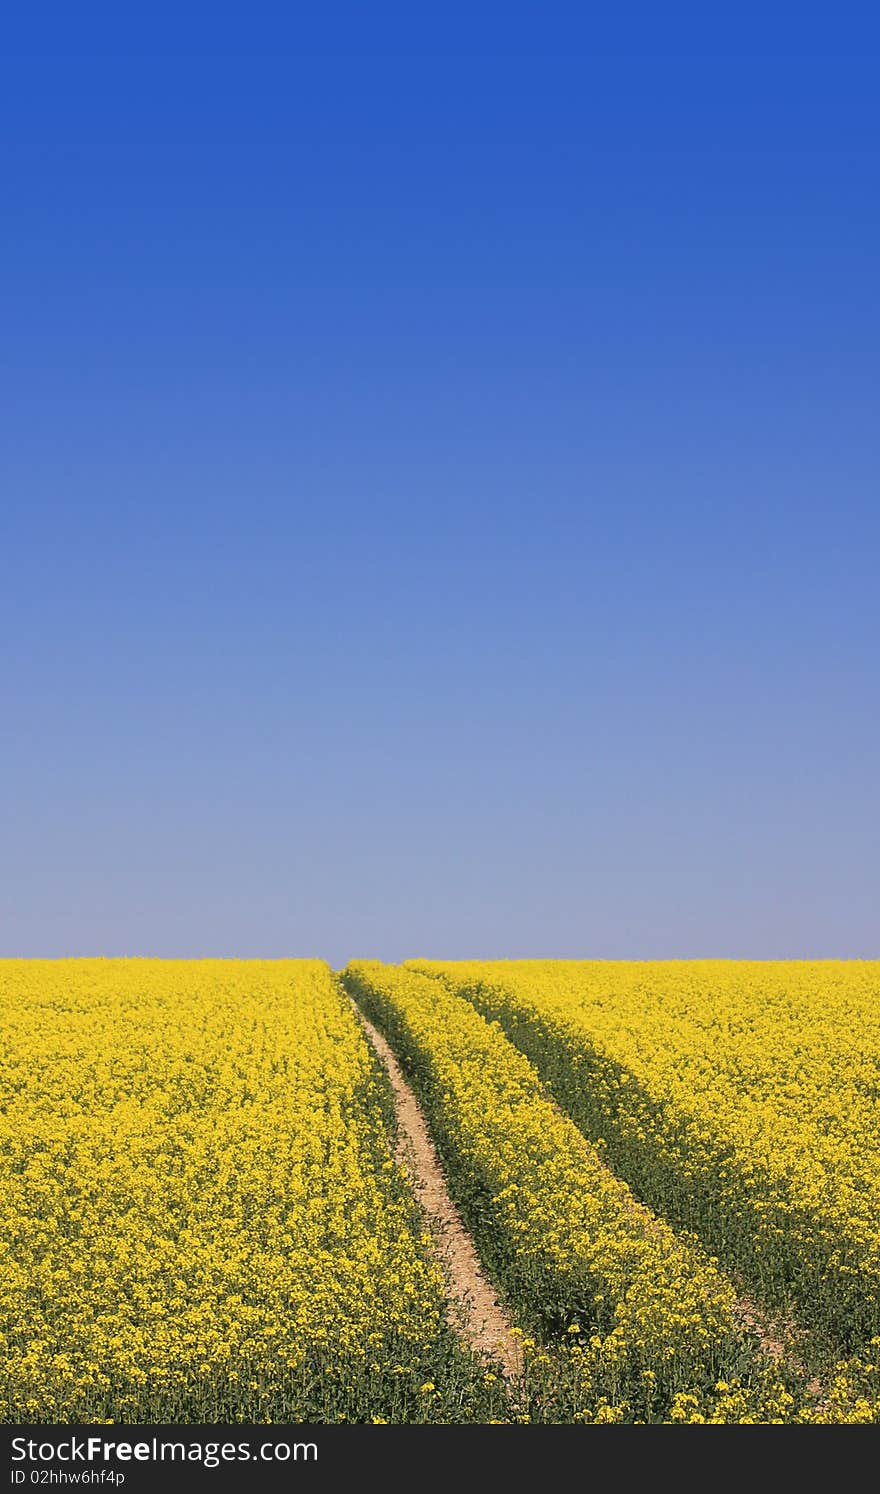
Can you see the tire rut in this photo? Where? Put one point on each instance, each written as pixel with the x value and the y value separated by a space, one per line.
pixel 476 1313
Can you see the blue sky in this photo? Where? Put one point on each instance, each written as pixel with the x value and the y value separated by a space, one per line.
pixel 440 492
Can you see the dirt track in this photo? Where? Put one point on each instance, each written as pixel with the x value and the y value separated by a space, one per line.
pixel 475 1310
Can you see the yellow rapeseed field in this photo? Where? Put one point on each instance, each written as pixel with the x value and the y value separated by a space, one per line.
pixel 740 1100
pixel 671 1172
pixel 649 1320
pixel 200 1215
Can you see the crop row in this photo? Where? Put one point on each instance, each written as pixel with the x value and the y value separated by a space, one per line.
pixel 741 1102
pixel 648 1323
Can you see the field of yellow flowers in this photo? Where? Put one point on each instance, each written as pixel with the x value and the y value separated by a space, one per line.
pixel 740 1101
pixel 200 1216
pixel 642 1323
pixel 670 1170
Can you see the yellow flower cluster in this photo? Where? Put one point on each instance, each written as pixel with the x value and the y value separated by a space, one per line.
pixel 852 1393
pixel 644 1315
pixel 200 1215
pixel 740 1100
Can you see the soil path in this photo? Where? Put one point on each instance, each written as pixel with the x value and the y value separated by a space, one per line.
pixel 778 1339
pixel 476 1311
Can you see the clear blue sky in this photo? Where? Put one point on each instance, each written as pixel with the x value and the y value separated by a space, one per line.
pixel 440 508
